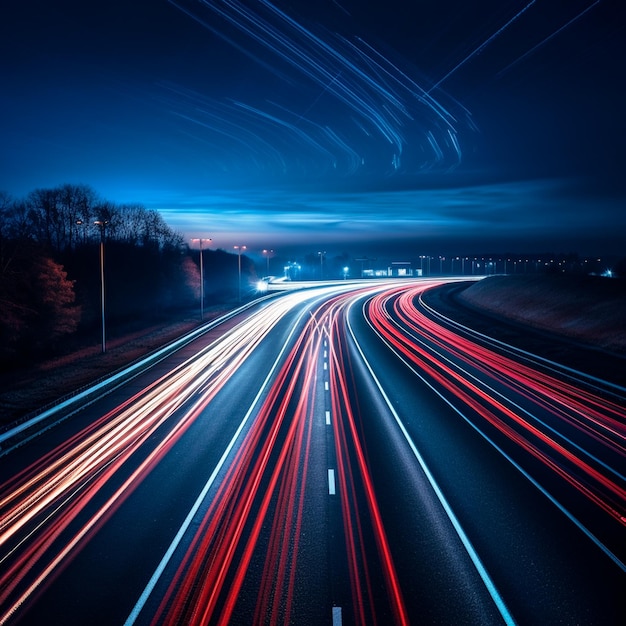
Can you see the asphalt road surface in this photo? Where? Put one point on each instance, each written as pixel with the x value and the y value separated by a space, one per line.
pixel 343 454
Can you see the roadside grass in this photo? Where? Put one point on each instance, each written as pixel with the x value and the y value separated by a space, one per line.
pixel 589 309
pixel 29 389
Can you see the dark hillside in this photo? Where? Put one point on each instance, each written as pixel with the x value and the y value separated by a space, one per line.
pixel 589 309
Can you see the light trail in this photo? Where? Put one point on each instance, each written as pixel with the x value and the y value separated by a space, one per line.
pixel 482 46
pixel 475 558
pixel 61 485
pixel 448 359
pixel 242 537
pixel 545 40
pixel 219 544
pixel 256 494
pixel 353 471
pixel 399 117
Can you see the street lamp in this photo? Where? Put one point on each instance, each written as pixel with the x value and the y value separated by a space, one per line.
pixel 267 254
pixel 200 240
pixel 80 222
pixel 321 254
pixel 102 224
pixel 239 249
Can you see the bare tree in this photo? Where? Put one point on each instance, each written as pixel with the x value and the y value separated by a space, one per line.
pixel 45 217
pixel 77 204
pixel 60 217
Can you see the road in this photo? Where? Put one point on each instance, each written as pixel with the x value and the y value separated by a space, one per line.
pixel 335 455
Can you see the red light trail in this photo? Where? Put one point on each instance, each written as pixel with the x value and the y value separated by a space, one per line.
pixel 243 540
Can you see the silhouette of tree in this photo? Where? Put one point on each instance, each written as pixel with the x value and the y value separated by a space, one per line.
pixel 50 276
pixel 55 300
pixel 38 303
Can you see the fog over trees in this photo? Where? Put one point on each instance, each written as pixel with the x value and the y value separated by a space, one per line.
pixel 50 269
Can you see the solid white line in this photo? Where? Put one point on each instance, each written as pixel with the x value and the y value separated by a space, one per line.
pixel 616 559
pixel 553 365
pixel 122 377
pixel 331 482
pixel 489 584
pixel 194 509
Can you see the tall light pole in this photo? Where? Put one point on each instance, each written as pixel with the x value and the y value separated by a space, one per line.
pixel 80 222
pixel 239 249
pixel 321 264
pixel 200 240
pixel 102 224
pixel 267 254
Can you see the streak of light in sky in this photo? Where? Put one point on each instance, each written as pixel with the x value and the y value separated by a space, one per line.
pixel 215 108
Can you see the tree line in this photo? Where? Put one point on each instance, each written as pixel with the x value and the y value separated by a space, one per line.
pixel 50 269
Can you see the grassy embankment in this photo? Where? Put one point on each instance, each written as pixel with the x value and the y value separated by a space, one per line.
pixel 589 309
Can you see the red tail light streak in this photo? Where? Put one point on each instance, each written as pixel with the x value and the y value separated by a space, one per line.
pixel 547 407
pixel 221 552
pixel 240 550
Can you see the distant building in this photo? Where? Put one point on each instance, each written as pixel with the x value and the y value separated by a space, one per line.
pixel 374 273
pixel 401 269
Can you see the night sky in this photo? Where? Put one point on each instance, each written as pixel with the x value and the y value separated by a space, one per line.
pixel 388 126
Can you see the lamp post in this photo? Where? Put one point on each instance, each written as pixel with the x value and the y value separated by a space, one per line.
pixel 239 249
pixel 79 222
pixel 267 254
pixel 422 257
pixel 200 240
pixel 321 254
pixel 102 224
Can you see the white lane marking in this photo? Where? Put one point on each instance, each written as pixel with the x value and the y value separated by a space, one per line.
pixel 327 418
pixel 325 365
pixel 489 584
pixel 331 482
pixel 122 377
pixel 615 558
pixel 515 351
pixel 143 598
pixel 326 385
pixel 337 616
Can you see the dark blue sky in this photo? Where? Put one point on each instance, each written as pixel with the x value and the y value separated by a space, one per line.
pixel 426 127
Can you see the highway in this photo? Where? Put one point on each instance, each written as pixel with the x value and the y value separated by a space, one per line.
pixel 342 454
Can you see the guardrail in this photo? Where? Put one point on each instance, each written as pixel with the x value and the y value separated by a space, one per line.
pixel 33 424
